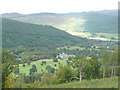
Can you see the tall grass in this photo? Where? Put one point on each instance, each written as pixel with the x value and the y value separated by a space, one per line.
pixel 94 83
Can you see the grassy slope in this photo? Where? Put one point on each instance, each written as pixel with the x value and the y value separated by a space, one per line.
pixel 94 83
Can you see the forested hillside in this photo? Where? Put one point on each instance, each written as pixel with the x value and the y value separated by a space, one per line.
pixel 17 33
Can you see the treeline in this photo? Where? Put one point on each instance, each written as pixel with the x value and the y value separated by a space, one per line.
pixel 79 68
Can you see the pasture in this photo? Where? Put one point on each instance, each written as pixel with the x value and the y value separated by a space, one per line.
pixel 40 67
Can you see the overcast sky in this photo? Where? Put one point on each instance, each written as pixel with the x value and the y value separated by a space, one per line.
pixel 55 6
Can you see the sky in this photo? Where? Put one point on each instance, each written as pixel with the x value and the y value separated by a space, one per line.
pixel 55 6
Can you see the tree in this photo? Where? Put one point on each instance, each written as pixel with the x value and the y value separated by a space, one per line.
pixel 64 74
pixel 43 62
pixel 50 69
pixel 33 69
pixel 91 70
pixel 54 80
pixel 105 61
pixel 17 71
pixel 55 65
pixel 23 65
pixel 79 63
pixel 28 62
pixel 9 82
pixel 114 62
pixel 8 64
pixel 45 78
pixel 68 63
pixel 19 82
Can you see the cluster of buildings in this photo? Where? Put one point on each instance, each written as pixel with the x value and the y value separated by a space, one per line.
pixel 63 56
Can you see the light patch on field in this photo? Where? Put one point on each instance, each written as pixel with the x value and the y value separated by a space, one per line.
pixel 88 35
pixel 79 33
pixel 73 24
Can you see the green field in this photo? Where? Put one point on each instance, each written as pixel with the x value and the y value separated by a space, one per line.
pixel 94 83
pixel 50 62
pixel 72 48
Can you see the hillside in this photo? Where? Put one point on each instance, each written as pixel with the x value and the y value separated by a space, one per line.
pixel 95 21
pixel 17 33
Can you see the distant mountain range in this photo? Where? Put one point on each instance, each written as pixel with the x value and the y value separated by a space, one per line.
pixel 12 15
pixel 104 21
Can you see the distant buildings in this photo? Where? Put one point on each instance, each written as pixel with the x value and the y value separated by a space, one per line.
pixel 63 56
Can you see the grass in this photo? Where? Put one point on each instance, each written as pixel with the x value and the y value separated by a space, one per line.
pixel 94 83
pixel 50 62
